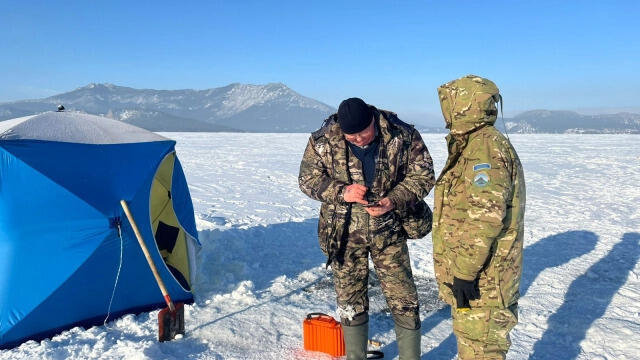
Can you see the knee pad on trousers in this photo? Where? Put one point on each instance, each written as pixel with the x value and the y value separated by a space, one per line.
pixel 358 319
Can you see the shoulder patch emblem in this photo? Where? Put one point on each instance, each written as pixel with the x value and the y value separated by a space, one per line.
pixel 477 167
pixel 481 180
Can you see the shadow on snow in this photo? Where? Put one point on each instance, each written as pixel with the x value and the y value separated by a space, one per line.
pixel 259 254
pixel 549 252
pixel 586 301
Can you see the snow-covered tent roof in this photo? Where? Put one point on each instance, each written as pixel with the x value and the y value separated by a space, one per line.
pixel 74 127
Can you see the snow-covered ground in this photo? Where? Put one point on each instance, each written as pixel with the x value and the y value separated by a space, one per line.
pixel 261 271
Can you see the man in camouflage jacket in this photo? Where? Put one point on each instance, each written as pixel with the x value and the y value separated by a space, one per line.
pixel 478 222
pixel 348 232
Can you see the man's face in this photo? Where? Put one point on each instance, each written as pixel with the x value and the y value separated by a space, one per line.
pixel 364 137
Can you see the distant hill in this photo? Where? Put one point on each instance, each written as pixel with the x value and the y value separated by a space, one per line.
pixel 564 122
pixel 432 129
pixel 561 122
pixel 236 107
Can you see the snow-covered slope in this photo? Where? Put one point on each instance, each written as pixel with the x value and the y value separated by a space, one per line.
pixel 261 271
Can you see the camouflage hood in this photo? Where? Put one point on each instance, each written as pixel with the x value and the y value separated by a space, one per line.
pixel 468 103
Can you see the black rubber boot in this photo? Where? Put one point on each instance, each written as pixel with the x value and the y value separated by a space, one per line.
pixel 408 343
pixel 355 341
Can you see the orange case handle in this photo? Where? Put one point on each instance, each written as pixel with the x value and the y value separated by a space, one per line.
pixel 310 315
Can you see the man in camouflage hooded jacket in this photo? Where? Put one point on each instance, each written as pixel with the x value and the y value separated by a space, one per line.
pixel 478 221
pixel 349 232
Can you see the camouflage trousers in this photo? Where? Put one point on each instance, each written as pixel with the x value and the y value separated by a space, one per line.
pixel 383 238
pixel 483 333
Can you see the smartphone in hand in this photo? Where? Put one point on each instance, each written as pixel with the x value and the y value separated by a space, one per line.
pixel 372 204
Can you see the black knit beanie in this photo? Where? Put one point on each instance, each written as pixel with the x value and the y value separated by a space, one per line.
pixel 354 115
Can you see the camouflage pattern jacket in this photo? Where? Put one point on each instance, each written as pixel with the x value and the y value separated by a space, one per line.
pixel 404 174
pixel 478 222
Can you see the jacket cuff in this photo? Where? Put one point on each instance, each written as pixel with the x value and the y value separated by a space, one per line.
pixel 396 200
pixel 463 275
pixel 340 193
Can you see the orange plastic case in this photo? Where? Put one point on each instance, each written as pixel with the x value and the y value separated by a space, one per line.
pixel 323 333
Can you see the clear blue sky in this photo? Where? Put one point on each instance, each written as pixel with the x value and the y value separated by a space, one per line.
pixel 393 54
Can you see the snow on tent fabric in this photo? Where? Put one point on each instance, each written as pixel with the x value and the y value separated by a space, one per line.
pixel 62 176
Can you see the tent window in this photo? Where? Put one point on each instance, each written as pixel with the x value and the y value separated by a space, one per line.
pixel 166 236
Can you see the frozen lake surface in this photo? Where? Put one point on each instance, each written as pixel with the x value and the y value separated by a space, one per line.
pixel 261 271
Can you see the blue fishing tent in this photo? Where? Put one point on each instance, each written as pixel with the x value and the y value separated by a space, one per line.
pixel 65 243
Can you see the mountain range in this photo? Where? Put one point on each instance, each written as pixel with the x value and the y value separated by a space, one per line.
pixel 235 107
pixel 267 108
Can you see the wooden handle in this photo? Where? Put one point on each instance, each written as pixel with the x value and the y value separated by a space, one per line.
pixel 152 265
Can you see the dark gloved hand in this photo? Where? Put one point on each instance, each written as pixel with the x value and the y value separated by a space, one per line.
pixel 464 291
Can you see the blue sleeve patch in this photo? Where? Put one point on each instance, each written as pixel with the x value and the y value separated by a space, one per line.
pixel 482 166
